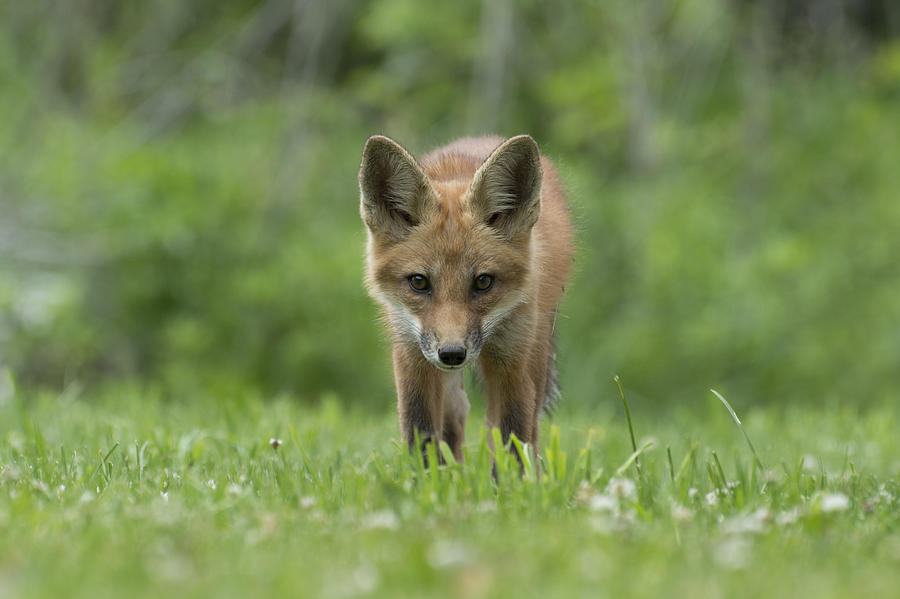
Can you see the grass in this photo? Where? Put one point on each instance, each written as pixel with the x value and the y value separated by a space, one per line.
pixel 130 494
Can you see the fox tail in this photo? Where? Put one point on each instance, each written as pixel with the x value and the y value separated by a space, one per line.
pixel 552 391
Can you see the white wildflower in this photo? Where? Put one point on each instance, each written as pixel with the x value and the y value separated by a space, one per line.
pixel 622 488
pixel 772 476
pixel 626 518
pixel 10 473
pixel 602 503
pixel 307 502
pixel 834 502
pixel 211 483
pixel 584 492
pixel 810 463
pixel 787 517
pixel 384 519
pixel 763 515
pixel 712 499
pixel 681 513
pixel 754 522
pixel 608 522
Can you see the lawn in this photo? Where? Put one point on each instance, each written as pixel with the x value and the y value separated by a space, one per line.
pixel 181 259
pixel 130 494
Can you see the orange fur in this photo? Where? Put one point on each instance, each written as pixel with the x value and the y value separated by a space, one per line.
pixel 478 206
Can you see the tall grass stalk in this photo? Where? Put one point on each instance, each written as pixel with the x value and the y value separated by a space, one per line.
pixel 634 447
pixel 737 421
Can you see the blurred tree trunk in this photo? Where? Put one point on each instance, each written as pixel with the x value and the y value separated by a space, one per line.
pixel 491 81
pixel 638 24
pixel 311 59
pixel 754 53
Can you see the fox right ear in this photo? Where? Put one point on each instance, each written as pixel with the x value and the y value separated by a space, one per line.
pixel 395 194
pixel 506 189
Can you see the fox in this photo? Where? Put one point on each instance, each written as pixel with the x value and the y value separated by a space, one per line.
pixel 468 252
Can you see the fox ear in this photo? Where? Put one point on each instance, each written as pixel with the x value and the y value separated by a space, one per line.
pixel 506 189
pixel 395 194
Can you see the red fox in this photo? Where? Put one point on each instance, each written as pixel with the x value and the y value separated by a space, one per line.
pixel 468 252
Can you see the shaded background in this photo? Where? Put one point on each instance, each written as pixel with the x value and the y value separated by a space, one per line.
pixel 178 196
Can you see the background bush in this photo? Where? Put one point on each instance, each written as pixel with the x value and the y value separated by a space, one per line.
pixel 178 196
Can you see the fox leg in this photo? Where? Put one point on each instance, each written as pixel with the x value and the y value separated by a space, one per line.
pixel 538 369
pixel 456 409
pixel 510 400
pixel 419 397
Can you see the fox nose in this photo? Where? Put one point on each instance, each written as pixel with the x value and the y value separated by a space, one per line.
pixel 452 355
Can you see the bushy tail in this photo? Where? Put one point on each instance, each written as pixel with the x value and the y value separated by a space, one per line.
pixel 552 392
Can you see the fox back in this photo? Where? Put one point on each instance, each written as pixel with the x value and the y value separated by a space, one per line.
pixel 469 250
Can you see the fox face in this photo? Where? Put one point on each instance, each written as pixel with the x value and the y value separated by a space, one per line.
pixel 450 257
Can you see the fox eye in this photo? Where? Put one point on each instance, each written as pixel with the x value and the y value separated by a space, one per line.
pixel 419 283
pixel 483 282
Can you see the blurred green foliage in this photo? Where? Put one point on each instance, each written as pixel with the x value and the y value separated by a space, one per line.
pixel 178 196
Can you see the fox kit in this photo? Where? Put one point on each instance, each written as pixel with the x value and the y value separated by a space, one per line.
pixel 468 251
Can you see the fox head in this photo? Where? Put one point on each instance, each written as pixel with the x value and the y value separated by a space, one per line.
pixel 449 255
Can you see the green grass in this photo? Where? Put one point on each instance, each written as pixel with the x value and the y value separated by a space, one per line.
pixel 131 495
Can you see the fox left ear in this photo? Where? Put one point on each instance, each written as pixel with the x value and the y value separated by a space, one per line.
pixel 506 189
pixel 395 193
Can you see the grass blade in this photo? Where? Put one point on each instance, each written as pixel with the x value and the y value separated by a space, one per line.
pixel 632 459
pixel 671 465
pixel 628 417
pixel 740 426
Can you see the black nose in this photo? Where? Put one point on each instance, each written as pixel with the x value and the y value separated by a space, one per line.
pixel 452 355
